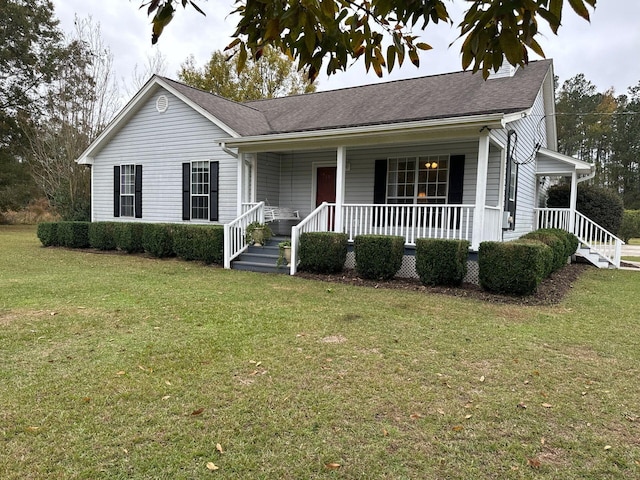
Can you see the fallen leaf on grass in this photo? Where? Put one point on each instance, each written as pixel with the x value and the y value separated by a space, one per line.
pixel 212 466
pixel 547 405
pixel 467 417
pixel 219 448
pixel 332 466
pixel 33 429
pixel 415 416
pixel 385 433
pixel 533 462
pixel 86 399
pixel 458 428
pixel 121 372
pixel 482 378
pixel 167 382
pixel 607 447
pixel 197 412
pixel 166 397
pixel 521 405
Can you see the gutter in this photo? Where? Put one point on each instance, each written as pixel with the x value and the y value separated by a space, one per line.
pixel 363 132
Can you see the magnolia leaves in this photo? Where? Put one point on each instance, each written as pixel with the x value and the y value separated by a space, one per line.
pixel 335 33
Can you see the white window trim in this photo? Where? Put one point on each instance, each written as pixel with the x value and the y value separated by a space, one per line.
pixel 132 184
pixel 200 195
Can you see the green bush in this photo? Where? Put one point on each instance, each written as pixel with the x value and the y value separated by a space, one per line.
pixel 515 268
pixel 378 257
pixel 199 242
pixel 630 227
pixel 48 234
pixel 157 239
pixel 73 234
pixel 441 262
pixel 323 252
pixel 557 245
pixel 128 236
pixel 599 204
pixel 101 235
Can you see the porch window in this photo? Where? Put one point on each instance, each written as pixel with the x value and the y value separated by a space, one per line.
pixel 420 180
pixel 200 190
pixel 127 190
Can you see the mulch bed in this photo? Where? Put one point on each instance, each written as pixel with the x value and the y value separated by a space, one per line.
pixel 550 291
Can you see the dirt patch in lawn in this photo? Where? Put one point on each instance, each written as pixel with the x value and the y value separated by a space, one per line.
pixel 550 291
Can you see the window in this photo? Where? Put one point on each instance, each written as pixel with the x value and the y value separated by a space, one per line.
pixel 200 190
pixel 127 190
pixel 422 179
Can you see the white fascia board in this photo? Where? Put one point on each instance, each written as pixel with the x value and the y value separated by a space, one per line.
pixel 132 107
pixel 353 135
pixel 512 117
pixel 578 165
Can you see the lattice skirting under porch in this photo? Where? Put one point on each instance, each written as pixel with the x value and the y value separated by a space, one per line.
pixel 408 268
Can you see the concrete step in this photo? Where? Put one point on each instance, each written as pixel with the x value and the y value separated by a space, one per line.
pixel 259 267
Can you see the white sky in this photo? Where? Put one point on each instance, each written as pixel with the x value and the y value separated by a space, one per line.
pixel 606 50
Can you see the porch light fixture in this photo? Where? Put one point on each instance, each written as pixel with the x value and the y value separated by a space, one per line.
pixel 422 194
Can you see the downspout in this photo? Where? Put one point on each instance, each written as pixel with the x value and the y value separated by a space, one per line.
pixel 228 150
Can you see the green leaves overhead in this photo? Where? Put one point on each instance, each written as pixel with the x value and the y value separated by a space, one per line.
pixel 332 34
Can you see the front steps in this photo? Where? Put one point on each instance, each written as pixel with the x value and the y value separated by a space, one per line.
pixel 262 259
pixel 593 257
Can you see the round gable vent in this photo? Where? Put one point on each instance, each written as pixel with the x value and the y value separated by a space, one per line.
pixel 162 103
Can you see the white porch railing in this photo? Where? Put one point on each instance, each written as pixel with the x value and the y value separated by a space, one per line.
pixel 409 221
pixel 322 219
pixel 592 235
pixel 492 228
pixel 248 206
pixel 235 232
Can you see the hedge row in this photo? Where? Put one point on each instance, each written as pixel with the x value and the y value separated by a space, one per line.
pixel 518 267
pixel 204 243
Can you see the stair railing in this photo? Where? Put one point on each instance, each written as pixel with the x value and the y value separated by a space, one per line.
pixel 235 232
pixel 320 220
pixel 598 239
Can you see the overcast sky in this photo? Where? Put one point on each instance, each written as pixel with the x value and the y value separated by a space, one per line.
pixel 606 50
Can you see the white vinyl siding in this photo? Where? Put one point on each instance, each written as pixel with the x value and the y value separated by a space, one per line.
pixel 161 142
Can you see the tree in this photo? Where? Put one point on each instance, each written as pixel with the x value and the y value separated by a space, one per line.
pixel 156 65
pixel 337 32
pixel 79 104
pixel 274 75
pixel 29 51
pixel 625 158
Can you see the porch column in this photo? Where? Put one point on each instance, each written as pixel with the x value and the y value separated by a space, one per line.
pixel 481 190
pixel 254 178
pixel 240 180
pixel 573 200
pixel 341 168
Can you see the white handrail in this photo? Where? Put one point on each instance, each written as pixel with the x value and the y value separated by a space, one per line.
pixel 235 232
pixel 322 219
pixel 411 221
pixel 588 232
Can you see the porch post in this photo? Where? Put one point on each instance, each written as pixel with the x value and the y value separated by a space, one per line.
pixel 254 177
pixel 240 180
pixel 341 164
pixel 481 190
pixel 573 200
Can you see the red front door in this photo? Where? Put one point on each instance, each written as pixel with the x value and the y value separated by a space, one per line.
pixel 326 190
pixel 326 185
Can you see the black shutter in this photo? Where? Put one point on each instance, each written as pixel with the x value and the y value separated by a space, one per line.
pixel 456 179
pixel 380 182
pixel 138 192
pixel 186 191
pixel 214 169
pixel 456 183
pixel 116 191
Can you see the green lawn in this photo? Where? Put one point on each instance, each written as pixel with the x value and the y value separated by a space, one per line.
pixel 116 366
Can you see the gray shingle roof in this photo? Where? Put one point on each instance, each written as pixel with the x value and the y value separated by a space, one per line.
pixel 439 96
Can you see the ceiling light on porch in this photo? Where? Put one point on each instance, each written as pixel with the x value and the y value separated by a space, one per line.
pixel 431 165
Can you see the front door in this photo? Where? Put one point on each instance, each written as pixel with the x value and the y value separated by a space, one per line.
pixel 326 190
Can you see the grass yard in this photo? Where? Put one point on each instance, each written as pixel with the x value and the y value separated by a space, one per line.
pixel 116 366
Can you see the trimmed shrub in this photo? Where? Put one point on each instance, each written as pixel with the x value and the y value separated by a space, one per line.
pixel 378 257
pixel 199 242
pixel 73 234
pixel 513 267
pixel 157 239
pixel 101 235
pixel 441 262
pixel 128 236
pixel 557 245
pixel 323 252
pixel 48 234
pixel 599 204
pixel 630 227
